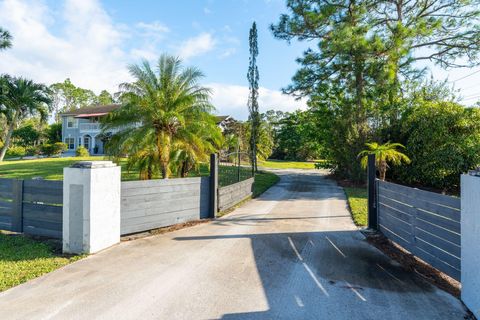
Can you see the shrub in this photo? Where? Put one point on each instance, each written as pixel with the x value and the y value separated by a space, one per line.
pixel 15 151
pixel 81 152
pixel 443 141
pixel 49 149
pixel 32 151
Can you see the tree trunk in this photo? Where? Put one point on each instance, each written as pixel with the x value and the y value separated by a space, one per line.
pixel 8 137
pixel 383 170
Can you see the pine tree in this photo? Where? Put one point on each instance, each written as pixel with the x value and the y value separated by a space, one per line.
pixel 253 77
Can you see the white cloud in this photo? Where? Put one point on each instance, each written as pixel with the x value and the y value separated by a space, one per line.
pixel 232 100
pixel 155 26
pixel 207 10
pixel 196 46
pixel 228 52
pixel 87 49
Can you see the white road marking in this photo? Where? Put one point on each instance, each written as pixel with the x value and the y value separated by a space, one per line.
pixel 299 301
pixel 310 272
pixel 355 291
pixel 295 249
pixel 319 285
pixel 338 249
pixel 390 274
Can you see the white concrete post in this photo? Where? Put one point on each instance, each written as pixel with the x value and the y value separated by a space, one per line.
pixel 91 206
pixel 470 235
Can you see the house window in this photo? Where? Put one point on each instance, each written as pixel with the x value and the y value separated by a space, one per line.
pixel 71 122
pixel 70 142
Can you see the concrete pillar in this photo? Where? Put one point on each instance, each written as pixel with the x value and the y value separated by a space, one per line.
pixel 470 236
pixel 91 206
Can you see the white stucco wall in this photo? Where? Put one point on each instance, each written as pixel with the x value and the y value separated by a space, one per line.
pixel 470 252
pixel 91 207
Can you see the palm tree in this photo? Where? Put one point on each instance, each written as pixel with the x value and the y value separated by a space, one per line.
pixel 5 39
pixel 20 98
pixel 384 153
pixel 165 110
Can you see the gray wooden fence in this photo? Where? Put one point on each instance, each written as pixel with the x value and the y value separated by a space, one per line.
pixel 151 204
pixel 425 223
pixel 231 195
pixel 31 206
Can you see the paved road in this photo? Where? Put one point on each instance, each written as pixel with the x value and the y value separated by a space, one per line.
pixel 294 253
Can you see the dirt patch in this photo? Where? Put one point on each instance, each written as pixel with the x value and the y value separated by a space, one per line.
pixel 414 264
pixel 163 230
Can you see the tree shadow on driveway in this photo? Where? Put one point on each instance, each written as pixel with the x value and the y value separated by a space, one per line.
pixel 335 275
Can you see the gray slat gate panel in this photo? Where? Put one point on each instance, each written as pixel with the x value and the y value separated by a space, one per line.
pixel 151 204
pixel 42 208
pixel 425 223
pixel 231 195
pixel 6 204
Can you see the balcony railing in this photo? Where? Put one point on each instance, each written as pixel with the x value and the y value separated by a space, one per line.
pixel 89 127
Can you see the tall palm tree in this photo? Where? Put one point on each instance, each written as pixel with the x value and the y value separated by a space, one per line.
pixel 20 98
pixel 162 112
pixel 5 39
pixel 384 153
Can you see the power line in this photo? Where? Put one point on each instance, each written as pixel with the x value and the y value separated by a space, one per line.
pixel 468 75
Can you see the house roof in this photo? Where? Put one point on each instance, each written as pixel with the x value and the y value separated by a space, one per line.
pixel 92 111
pixel 101 110
pixel 220 119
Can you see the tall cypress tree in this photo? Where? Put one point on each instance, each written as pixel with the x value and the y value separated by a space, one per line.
pixel 253 77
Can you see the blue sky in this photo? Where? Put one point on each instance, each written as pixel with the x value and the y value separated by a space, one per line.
pixel 93 41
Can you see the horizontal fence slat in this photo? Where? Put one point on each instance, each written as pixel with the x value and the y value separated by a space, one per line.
pixel 136 208
pixel 437 264
pixel 411 200
pixel 5 223
pixel 57 234
pixel 433 197
pixel 43 212
pixel 396 227
pixel 407 218
pixel 131 225
pixel 439 232
pixel 43 191
pixel 40 224
pixel 447 246
pixel 439 221
pixel 159 183
pixel 395 238
pixel 438 253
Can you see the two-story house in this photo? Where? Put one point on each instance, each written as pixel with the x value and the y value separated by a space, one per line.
pixel 81 127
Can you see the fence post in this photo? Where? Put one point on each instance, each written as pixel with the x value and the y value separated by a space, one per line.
pixel 17 206
pixel 470 240
pixel 91 206
pixel 372 193
pixel 213 185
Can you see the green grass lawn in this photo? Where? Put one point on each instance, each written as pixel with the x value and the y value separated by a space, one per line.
pixel 52 168
pixel 281 164
pixel 357 200
pixel 22 259
pixel 263 181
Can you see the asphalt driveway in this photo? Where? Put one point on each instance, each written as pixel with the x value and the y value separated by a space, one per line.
pixel 294 253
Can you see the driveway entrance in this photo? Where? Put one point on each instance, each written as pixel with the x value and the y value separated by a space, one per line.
pixel 294 253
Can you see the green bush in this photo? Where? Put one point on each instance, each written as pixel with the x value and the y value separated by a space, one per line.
pixel 50 149
pixel 443 141
pixel 15 151
pixel 32 151
pixel 82 152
